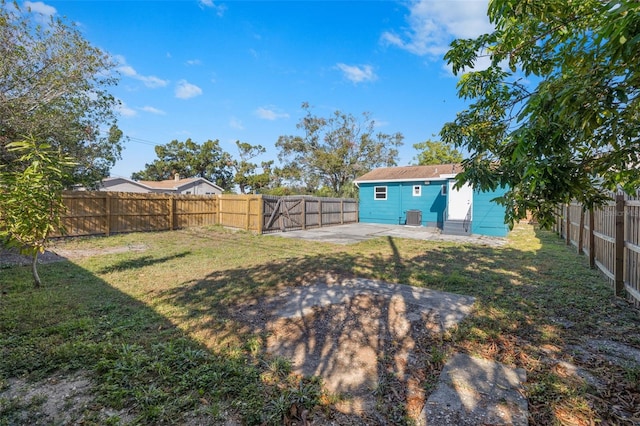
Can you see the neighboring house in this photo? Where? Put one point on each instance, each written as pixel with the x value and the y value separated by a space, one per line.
pixel 195 186
pixel 424 196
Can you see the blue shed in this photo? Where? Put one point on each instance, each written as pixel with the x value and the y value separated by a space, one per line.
pixel 425 196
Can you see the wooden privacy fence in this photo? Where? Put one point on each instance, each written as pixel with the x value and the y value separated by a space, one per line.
pixel 302 212
pixel 94 213
pixel 610 236
pixel 105 213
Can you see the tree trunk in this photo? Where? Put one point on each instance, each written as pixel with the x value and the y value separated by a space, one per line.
pixel 34 270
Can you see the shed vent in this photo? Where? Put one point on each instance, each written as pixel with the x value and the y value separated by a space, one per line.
pixel 414 217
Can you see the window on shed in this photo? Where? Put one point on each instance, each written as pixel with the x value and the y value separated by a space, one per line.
pixel 417 190
pixel 443 189
pixel 380 193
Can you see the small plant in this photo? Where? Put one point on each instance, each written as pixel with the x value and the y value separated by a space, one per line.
pixel 632 374
pixel 31 204
pixel 438 356
pixel 279 367
pixel 254 345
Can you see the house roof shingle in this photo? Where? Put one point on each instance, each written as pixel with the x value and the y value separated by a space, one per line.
pixel 410 173
pixel 166 184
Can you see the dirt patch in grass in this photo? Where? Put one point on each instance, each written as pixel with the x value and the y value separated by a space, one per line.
pixel 60 399
pixel 11 257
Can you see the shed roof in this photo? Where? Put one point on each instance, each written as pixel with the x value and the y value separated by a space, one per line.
pixel 407 173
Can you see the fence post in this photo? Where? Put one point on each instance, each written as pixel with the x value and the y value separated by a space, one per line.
pixel 568 225
pixel 341 212
pixel 560 219
pixel 260 214
pixel 320 213
pixel 619 246
pixel 247 221
pixel 172 207
pixel 304 212
pixel 220 209
pixel 216 208
pixel 107 214
pixel 592 240
pixel 581 232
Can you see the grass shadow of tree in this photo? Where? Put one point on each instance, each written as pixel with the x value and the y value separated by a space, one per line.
pixel 251 297
pixel 533 304
pixel 140 262
pixel 143 367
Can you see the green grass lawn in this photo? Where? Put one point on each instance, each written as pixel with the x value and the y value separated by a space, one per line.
pixel 153 326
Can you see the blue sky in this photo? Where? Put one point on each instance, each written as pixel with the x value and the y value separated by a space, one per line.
pixel 240 70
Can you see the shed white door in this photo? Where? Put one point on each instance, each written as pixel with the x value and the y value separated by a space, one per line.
pixel 459 201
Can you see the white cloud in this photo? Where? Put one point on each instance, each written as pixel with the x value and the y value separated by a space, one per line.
pixel 380 123
pixel 432 25
pixel 194 62
pixel 40 7
pixel 357 74
pixel 234 123
pixel 482 62
pixel 270 113
pixel 153 110
pixel 220 9
pixel 186 90
pixel 150 81
pixel 125 110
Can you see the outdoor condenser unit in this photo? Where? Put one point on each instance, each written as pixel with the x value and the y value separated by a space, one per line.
pixel 414 217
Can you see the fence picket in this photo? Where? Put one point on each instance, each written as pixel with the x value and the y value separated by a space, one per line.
pixel 612 239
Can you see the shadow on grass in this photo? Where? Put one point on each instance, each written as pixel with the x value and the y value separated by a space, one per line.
pixel 144 369
pixel 534 303
pixel 141 262
pixel 516 302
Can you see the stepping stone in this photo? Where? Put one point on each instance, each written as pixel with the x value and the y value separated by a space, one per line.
pixel 474 391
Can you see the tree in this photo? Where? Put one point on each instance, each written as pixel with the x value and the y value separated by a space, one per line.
pixel 334 151
pixel 436 152
pixel 246 176
pixel 31 204
pixel 53 86
pixel 189 159
pixel 555 116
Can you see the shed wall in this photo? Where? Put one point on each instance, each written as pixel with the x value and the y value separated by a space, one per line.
pixel 400 198
pixel 488 216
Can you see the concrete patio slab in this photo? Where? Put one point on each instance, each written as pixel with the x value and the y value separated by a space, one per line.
pixel 447 309
pixel 474 391
pixel 332 329
pixel 356 232
pixel 340 330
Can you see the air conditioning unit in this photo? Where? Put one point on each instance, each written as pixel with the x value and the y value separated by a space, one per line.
pixel 414 218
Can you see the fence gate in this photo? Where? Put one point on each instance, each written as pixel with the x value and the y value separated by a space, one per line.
pixel 283 213
pixel 302 212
